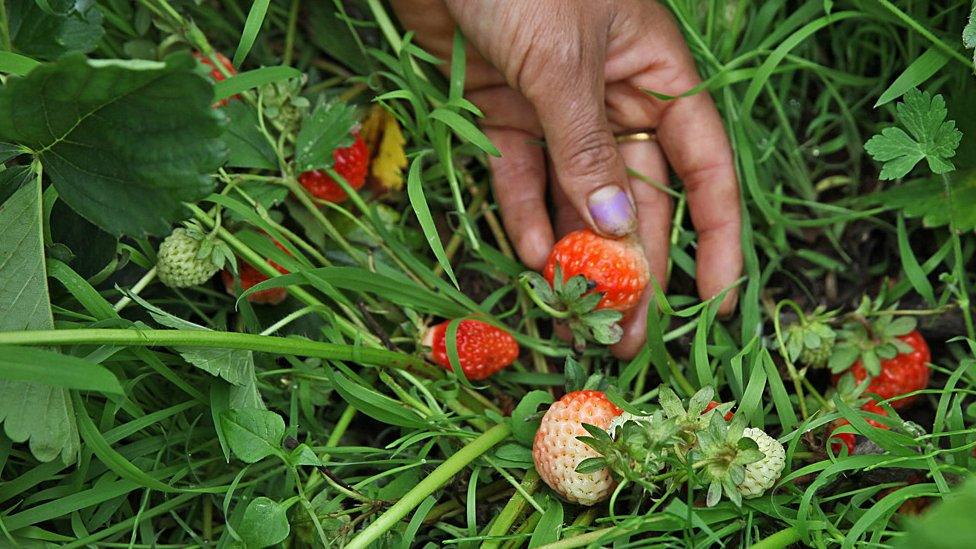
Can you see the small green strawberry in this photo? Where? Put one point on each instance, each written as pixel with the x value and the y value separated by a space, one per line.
pixel 810 340
pixel 187 258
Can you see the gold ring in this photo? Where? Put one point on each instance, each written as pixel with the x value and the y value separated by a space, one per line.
pixel 629 137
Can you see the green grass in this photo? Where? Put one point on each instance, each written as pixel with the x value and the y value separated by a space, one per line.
pixel 325 407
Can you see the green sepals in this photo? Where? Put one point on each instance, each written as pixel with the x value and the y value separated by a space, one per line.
pixel 850 391
pixel 211 247
pixel 574 374
pixel 591 465
pixel 574 302
pixel 639 450
pixel 872 335
pixel 722 453
pixel 700 400
pixel 843 357
pixel 670 403
pixel 694 419
pixel 537 284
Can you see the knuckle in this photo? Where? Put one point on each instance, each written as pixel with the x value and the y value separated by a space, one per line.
pixel 592 153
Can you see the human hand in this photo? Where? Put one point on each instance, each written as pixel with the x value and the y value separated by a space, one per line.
pixel 573 72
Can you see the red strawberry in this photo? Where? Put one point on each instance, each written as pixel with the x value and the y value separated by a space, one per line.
pixel 849 439
pixel 251 276
pixel 902 374
pixel 557 452
pixel 712 405
pixel 350 162
pixel 482 348
pixel 216 74
pixel 617 268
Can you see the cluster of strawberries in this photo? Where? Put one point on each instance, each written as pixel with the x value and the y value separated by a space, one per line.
pixel 182 263
pixel 589 283
pixel 869 350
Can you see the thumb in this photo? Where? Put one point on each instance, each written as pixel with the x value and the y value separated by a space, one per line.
pixel 584 153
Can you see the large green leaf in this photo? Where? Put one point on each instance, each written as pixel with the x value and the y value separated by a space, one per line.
pixel 30 411
pixel 138 137
pixel 70 26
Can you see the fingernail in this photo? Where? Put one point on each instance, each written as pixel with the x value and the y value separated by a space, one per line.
pixel 612 211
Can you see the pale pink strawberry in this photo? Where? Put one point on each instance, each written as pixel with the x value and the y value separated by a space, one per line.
pixel 557 452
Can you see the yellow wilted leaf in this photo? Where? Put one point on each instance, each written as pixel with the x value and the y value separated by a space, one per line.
pixel 382 134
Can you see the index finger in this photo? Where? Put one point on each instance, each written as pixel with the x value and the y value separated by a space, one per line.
pixel 696 145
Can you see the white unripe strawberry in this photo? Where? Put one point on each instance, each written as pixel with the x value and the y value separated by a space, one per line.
pixel 557 452
pixel 763 474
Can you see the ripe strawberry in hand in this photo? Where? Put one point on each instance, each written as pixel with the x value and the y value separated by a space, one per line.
pixel 350 162
pixel 215 73
pixel 589 281
pixel 250 276
pixel 557 452
pixel 615 268
pixel 903 373
pixel 482 348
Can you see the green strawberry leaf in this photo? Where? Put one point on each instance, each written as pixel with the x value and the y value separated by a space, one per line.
pixel 30 410
pixel 670 402
pixel 586 303
pixel 325 130
pixel 525 418
pixel 929 137
pixel 66 26
pixel 81 129
pixel 247 147
pixel 927 199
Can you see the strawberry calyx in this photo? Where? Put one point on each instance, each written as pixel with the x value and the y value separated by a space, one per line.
pixel 576 303
pixel 869 337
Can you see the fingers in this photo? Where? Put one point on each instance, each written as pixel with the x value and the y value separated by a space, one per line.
pixel 654 209
pixel 518 180
pixel 584 153
pixel 694 139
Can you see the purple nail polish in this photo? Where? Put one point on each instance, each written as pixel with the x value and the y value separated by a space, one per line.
pixel 612 211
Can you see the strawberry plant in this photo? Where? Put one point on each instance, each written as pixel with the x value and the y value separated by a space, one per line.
pixel 260 287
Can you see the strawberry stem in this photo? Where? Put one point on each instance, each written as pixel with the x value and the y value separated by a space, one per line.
pixel 783 538
pixel 794 374
pixel 437 478
pixel 540 303
pixel 216 340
